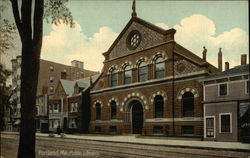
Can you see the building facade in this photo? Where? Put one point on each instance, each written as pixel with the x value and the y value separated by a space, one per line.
pixel 148 85
pixel 226 105
pixel 49 75
pixel 64 107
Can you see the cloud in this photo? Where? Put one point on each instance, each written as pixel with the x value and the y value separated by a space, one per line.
pixel 162 25
pixel 197 31
pixel 65 44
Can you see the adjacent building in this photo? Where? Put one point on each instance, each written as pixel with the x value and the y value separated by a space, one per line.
pixel 64 107
pixel 149 85
pixel 226 104
pixel 49 75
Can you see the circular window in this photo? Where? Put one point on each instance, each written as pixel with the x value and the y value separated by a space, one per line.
pixel 133 39
pixel 180 67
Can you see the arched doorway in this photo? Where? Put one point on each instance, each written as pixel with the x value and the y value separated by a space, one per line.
pixel 137 117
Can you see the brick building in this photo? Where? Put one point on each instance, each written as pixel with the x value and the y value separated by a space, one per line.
pixel 226 104
pixel 49 75
pixel 64 107
pixel 149 85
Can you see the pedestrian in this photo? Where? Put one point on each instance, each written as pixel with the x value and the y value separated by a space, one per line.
pixel 59 131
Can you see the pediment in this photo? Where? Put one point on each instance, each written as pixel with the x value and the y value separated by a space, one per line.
pixel 150 36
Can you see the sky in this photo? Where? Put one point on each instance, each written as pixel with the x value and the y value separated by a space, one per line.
pixel 214 24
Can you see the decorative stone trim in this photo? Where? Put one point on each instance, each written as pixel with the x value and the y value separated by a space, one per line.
pixel 97 101
pixel 188 89
pixel 125 64
pixel 157 55
pixel 141 59
pixel 113 99
pixel 130 95
pixel 112 68
pixel 161 93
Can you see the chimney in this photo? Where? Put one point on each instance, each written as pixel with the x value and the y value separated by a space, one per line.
pixel 220 60
pixel 226 66
pixel 243 59
pixel 204 53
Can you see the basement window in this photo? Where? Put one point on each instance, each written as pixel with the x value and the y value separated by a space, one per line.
pixel 187 130
pixel 158 130
pixel 97 129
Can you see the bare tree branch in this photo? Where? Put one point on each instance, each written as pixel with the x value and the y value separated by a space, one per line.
pixel 16 14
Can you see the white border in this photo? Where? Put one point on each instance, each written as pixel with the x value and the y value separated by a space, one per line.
pixel 205 126
pixel 220 114
pixel 219 89
pixel 246 86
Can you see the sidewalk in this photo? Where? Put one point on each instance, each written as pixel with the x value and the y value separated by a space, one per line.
pixel 236 146
pixel 164 142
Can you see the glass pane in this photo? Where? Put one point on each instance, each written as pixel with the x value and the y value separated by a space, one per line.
pixel 158 107
pixel 113 110
pixel 98 111
pixel 114 79
pixel 223 89
pixel 128 76
pixel 225 123
pixel 143 72
pixel 188 104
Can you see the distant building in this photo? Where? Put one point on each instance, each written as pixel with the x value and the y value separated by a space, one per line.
pixel 64 107
pixel 226 104
pixel 49 75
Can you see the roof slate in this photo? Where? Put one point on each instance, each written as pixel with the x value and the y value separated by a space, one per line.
pixel 242 69
pixel 68 86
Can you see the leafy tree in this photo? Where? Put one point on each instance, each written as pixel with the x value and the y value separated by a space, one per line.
pixel 6 33
pixel 29 15
pixel 4 95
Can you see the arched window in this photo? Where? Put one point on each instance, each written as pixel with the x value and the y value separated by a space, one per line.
pixel 143 72
pixel 98 111
pixel 113 109
pixel 159 67
pixel 114 76
pixel 158 101
pixel 127 75
pixel 188 104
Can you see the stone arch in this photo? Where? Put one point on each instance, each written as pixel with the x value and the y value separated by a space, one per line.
pixel 161 54
pixel 134 96
pixel 141 59
pixel 97 101
pixel 188 89
pixel 113 99
pixel 112 68
pixel 161 93
pixel 125 64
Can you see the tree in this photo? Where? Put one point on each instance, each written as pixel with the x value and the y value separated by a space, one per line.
pixel 4 94
pixel 29 23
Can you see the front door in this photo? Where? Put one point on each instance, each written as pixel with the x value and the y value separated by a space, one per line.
pixel 137 118
pixel 210 127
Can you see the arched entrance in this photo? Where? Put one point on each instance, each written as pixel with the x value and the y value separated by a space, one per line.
pixel 137 117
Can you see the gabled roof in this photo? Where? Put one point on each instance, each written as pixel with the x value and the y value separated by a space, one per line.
pixel 144 23
pixel 238 70
pixel 68 86
pixel 85 82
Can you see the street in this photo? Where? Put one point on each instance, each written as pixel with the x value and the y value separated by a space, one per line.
pixel 63 147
